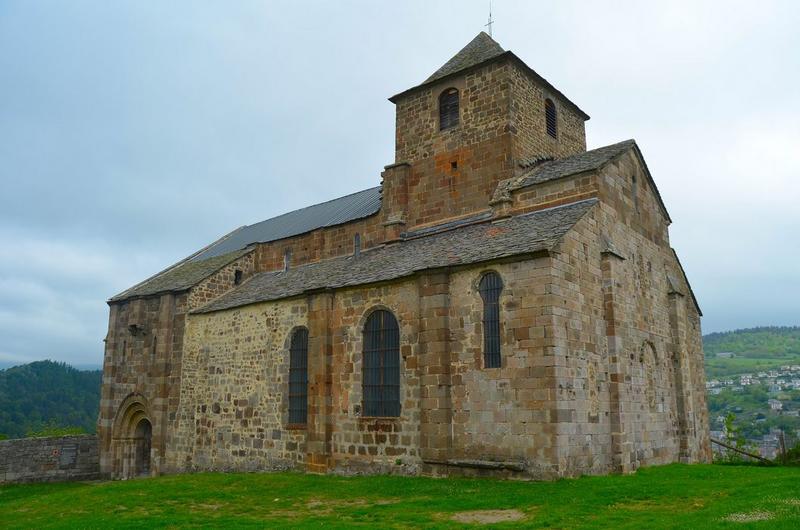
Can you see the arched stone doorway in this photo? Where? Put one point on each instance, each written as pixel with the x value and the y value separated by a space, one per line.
pixel 132 439
pixel 143 442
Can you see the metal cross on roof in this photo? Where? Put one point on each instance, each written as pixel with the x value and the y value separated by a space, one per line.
pixel 489 24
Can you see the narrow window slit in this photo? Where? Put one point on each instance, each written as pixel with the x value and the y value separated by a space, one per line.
pixel 550 117
pixel 298 378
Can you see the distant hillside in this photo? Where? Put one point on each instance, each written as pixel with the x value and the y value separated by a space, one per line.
pixel 755 342
pixel 754 349
pixel 46 393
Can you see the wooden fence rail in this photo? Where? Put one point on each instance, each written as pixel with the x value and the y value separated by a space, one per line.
pixel 736 449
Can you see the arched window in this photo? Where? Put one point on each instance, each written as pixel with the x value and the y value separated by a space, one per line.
pixel 550 117
pixel 298 377
pixel 490 287
pixel 448 109
pixel 381 369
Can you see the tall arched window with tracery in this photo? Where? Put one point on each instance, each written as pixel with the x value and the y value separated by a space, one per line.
pixel 381 366
pixel 448 109
pixel 490 288
pixel 298 377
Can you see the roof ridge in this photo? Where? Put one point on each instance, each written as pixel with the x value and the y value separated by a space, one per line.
pixel 479 49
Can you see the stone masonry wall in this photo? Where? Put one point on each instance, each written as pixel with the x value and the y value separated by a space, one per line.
pixel 503 414
pixel 141 366
pixel 656 335
pixel 50 459
pixel 221 281
pixel 632 365
pixel 528 121
pixel 581 383
pixel 454 411
pixel 233 409
pixel 454 171
pixel 324 243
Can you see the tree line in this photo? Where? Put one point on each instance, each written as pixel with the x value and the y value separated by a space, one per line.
pixel 47 398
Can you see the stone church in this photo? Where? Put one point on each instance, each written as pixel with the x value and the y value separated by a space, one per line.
pixel 504 302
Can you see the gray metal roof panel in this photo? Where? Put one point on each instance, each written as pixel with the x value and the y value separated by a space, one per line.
pixel 337 211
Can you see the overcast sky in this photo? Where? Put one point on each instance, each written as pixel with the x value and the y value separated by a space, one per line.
pixel 133 133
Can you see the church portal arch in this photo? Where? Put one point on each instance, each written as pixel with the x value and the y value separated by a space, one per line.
pixel 132 439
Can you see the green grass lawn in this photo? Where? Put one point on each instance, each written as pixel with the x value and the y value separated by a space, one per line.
pixel 675 496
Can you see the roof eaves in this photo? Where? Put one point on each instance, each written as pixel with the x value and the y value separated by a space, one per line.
pixel 135 292
pixel 210 306
pixel 652 182
pixel 688 285
pixel 121 296
pixel 237 298
pixel 530 71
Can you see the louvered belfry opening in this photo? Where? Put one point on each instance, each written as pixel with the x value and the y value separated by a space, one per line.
pixel 448 109
pixel 490 287
pixel 298 377
pixel 381 370
pixel 550 117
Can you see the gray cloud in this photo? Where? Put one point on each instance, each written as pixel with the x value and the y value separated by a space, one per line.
pixel 133 133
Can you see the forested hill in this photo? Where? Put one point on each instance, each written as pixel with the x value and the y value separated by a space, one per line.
pixel 755 342
pixel 754 350
pixel 46 394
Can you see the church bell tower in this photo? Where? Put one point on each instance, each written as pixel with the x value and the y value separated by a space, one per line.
pixel 482 117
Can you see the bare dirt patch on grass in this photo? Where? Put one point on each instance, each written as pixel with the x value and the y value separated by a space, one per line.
pixel 749 517
pixel 648 505
pixel 327 506
pixel 488 516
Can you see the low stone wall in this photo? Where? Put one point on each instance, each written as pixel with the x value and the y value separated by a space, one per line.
pixel 50 459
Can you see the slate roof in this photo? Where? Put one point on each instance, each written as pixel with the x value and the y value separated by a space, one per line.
pixel 338 211
pixel 480 49
pixel 180 276
pixel 523 234
pixel 573 165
